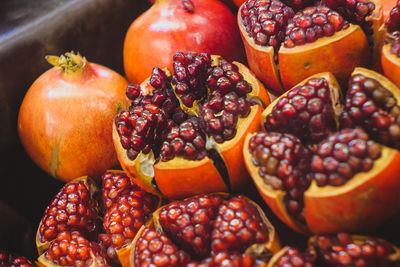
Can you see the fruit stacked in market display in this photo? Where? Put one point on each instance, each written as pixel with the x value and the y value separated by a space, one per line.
pixel 325 167
pixel 289 41
pixel 88 226
pixel 207 230
pixel 184 131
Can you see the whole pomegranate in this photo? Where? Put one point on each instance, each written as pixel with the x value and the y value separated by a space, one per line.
pixel 179 25
pixel 85 227
pixel 183 132
pixel 325 166
pixel 65 118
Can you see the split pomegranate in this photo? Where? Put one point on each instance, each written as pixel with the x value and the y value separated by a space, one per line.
pixel 206 230
pixel 288 41
pixel 71 232
pixel 319 176
pixel 179 25
pixel 68 135
pixel 183 132
pixel 338 250
pixel 390 58
pixel 8 259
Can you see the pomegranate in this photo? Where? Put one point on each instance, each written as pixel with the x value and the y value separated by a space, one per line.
pixel 390 52
pixel 71 233
pixel 340 249
pixel 321 176
pixel 68 135
pixel 179 25
pixel 280 36
pixel 183 132
pixel 8 259
pixel 206 230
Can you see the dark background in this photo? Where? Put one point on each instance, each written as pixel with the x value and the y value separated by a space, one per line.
pixel 29 30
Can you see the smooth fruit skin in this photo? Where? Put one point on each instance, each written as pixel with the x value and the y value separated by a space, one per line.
pixel 154 37
pixel 390 64
pixel 65 120
pixel 338 54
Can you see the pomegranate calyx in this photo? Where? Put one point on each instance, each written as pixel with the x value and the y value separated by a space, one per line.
pixel 70 62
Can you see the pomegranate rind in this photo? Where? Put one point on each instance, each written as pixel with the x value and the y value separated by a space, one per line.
pixel 377 20
pixel 91 186
pixel 132 167
pixel 365 201
pixel 275 198
pixel 359 239
pixel 258 89
pixel 260 59
pixel 43 262
pixel 180 178
pixel 272 246
pixel 390 64
pixel 63 151
pixel 338 54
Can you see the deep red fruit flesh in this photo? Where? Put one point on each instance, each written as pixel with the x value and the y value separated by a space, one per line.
pixel 73 208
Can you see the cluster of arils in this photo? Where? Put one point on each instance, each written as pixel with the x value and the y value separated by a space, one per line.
pixel 207 230
pixel 317 155
pixel 339 250
pixel 306 37
pixel 71 232
pixel 190 119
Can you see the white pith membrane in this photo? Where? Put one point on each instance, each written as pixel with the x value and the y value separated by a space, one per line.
pixel 144 164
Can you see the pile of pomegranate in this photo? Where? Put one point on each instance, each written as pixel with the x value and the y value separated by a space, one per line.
pixel 85 225
pixel 193 134
pixel 324 164
pixel 183 132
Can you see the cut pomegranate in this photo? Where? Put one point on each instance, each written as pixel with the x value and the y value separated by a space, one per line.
pixel 283 48
pixel 189 222
pixel 73 208
pixel 374 107
pixel 8 259
pixel 390 51
pixel 307 110
pixel 192 142
pixel 66 238
pixel 298 4
pixel 312 23
pixel 290 256
pixel 207 230
pixel 284 164
pixel 313 177
pixel 346 250
pixel 72 249
pixel 340 250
